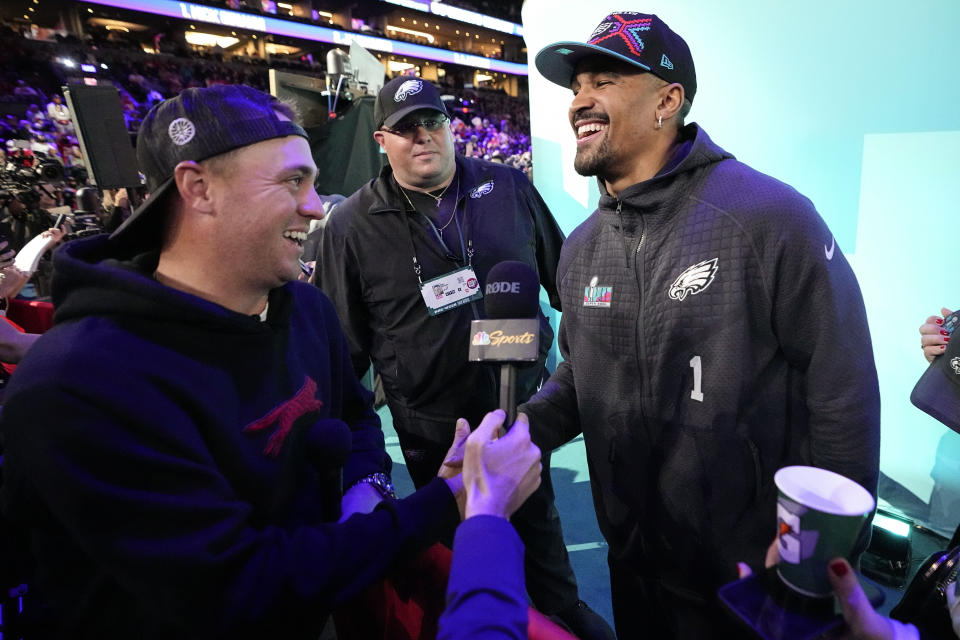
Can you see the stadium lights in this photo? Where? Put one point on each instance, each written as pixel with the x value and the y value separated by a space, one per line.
pixel 427 36
pixel 260 24
pixel 200 39
pixel 67 62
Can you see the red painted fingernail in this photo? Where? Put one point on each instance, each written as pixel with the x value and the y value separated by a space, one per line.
pixel 946 339
pixel 939 320
pixel 944 333
pixel 838 568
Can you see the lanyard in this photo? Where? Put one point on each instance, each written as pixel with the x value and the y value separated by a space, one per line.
pixel 466 250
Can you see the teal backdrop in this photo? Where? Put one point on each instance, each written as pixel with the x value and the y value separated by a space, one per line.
pixel 857 105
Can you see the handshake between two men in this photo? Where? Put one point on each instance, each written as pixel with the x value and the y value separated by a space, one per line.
pixel 489 474
pixel 498 473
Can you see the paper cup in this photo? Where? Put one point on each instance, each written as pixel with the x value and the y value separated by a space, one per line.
pixel 819 516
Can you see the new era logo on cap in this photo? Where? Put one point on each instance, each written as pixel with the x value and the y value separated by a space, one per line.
pixel 665 62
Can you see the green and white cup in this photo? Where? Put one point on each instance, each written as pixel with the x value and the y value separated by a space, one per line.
pixel 819 516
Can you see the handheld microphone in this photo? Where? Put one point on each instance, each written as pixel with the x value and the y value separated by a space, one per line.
pixel 511 332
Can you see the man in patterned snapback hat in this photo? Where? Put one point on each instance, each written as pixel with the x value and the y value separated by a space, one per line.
pixel 711 334
pixel 638 39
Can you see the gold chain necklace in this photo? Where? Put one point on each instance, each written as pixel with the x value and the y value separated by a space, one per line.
pixel 437 198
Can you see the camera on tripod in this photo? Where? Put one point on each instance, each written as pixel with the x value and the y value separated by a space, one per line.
pixel 25 171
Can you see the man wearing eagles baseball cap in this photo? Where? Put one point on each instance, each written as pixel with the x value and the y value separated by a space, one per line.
pixel 431 214
pixel 712 333
pixel 177 446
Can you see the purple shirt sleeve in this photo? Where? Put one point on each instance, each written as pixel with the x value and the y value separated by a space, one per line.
pixel 486 596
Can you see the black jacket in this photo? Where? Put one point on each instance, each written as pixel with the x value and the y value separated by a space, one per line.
pixel 366 268
pixel 724 337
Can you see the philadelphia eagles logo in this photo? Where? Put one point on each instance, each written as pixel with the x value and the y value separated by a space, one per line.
pixel 693 280
pixel 955 365
pixel 408 88
pixel 482 190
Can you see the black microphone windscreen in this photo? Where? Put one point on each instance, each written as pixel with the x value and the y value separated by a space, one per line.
pixel 512 291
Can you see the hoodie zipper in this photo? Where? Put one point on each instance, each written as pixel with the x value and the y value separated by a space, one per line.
pixel 623 235
pixel 638 268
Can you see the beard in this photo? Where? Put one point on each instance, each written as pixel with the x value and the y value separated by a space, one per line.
pixel 594 162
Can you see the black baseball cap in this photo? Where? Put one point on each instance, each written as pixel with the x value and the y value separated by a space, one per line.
pixel 640 39
pixel 196 125
pixel 938 390
pixel 404 95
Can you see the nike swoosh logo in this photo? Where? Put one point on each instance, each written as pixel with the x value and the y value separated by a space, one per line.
pixel 829 252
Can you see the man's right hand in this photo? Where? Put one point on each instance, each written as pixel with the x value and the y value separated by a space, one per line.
pixel 499 474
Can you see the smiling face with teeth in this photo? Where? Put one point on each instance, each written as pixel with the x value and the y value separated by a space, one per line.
pixel 258 204
pixel 269 200
pixel 613 115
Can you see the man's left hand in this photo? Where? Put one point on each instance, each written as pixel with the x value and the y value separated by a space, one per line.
pixel 453 461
